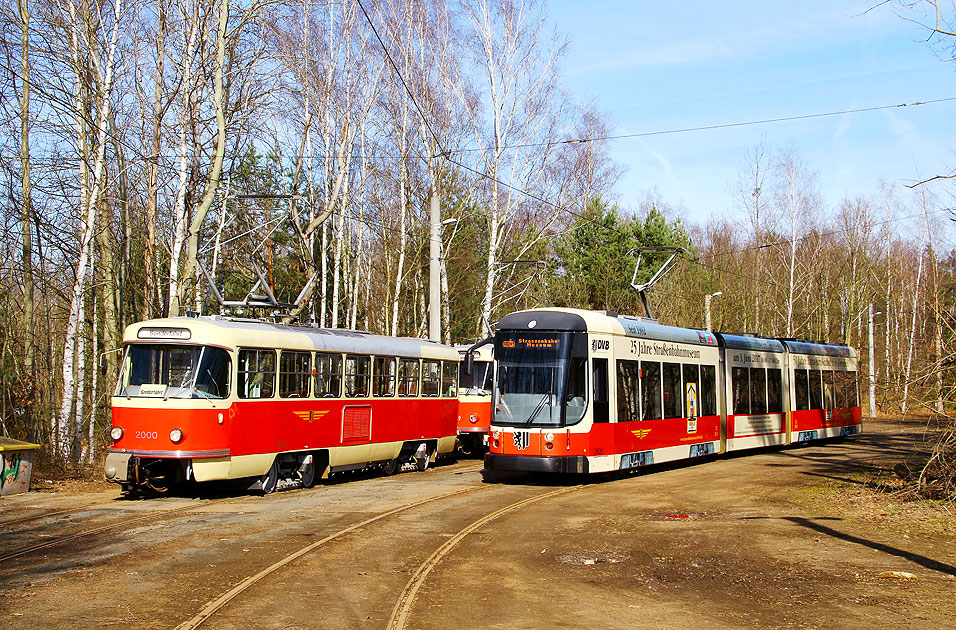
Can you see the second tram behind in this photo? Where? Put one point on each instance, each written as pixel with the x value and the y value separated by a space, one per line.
pixel 587 392
pixel 474 398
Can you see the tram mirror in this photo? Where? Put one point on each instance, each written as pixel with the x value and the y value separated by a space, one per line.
pixel 103 365
pixel 469 361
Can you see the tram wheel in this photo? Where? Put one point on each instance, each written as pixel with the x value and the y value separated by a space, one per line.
pixel 390 467
pixel 270 480
pixel 307 477
pixel 422 458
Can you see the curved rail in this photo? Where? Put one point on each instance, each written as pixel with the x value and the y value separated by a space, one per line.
pixel 407 599
pixel 215 605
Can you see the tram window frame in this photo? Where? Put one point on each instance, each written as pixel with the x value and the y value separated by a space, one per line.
pixel 740 390
pixel 242 375
pixel 628 391
pixel 449 379
pixel 328 375
pixel 828 380
pixel 774 390
pixel 708 390
pixel 801 390
pixel 383 381
pixel 691 374
pixel 853 389
pixel 600 391
pixel 816 389
pixel 672 391
pixel 758 391
pixel 356 379
pixel 409 383
pixel 652 393
pixel 431 382
pixel 294 383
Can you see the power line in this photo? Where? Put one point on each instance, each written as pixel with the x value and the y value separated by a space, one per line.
pixel 747 123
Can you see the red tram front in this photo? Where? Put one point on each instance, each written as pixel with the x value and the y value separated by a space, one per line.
pixel 202 399
pixel 474 398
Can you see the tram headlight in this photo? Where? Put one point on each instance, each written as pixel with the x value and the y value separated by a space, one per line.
pixel 116 433
pixel 176 436
pixel 549 437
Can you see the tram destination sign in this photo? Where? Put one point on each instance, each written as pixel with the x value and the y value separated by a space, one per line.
pixel 165 332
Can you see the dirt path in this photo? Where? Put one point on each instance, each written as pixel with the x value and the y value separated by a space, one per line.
pixel 783 538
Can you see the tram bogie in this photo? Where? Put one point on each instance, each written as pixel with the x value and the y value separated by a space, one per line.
pixel 586 392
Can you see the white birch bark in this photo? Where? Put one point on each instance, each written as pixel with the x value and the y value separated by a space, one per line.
pixel 103 77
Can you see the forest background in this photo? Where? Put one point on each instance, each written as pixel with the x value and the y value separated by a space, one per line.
pixel 149 146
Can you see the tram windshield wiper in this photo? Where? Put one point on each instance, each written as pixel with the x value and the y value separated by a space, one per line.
pixel 534 414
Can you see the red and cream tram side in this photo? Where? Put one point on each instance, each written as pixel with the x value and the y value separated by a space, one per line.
pixel 474 398
pixel 823 391
pixel 581 391
pixel 211 398
pixel 753 377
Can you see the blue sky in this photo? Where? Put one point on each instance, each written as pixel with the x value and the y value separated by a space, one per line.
pixel 653 67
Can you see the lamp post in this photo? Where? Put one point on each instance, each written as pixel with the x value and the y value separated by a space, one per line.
pixel 872 364
pixel 707 299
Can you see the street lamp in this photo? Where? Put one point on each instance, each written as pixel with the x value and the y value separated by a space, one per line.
pixel 707 299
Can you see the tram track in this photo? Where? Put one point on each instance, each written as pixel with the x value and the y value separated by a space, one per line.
pixel 13 522
pixel 406 601
pixel 217 604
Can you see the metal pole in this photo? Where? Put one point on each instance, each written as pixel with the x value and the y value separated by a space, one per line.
pixel 872 368
pixel 434 275
pixel 707 311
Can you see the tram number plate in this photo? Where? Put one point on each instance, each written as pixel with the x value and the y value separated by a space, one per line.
pixel 850 430
pixel 634 460
pixel 806 436
pixel 699 450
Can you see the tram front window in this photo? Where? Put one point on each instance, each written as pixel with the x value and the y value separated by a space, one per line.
pixel 479 381
pixel 166 371
pixel 539 384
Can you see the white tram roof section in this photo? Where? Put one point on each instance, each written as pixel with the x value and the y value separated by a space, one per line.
pixel 573 319
pixel 751 343
pixel 824 349
pixel 251 333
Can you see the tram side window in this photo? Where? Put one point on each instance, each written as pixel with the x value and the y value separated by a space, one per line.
pixel 356 376
pixel 774 391
pixel 672 391
pixel 257 373
pixel 839 389
pixel 602 403
pixel 431 377
pixel 383 383
pixel 449 379
pixel 816 390
pixel 627 391
pixel 408 377
pixel 708 390
pixel 328 375
pixel 758 390
pixel 828 389
pixel 801 390
pixel 295 368
pixel 850 386
pixel 651 390
pixel 740 381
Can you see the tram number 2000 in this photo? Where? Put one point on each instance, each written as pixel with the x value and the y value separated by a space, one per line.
pixel 146 435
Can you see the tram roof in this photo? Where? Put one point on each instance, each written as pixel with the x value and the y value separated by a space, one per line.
pixel 572 320
pixel 813 347
pixel 752 343
pixel 234 332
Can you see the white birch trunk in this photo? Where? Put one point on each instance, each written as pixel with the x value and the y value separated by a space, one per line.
pixel 77 430
pixel 103 74
pixel 91 431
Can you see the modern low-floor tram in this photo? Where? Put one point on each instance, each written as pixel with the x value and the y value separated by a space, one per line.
pixel 584 392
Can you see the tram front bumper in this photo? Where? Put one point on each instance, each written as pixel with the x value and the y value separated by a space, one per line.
pixel 575 464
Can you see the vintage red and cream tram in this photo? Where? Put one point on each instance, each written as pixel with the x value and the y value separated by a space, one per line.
pixel 586 392
pixel 212 398
pixel 474 397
